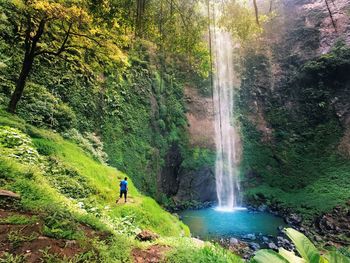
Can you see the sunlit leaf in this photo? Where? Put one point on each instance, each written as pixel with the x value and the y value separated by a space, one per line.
pixel 303 245
pixel 290 256
pixel 270 256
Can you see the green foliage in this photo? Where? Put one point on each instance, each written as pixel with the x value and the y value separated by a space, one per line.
pixel 294 156
pixel 208 253
pixel 90 142
pixel 16 237
pixel 239 19
pixel 266 255
pixel 10 258
pixel 197 158
pixel 17 145
pixel 61 225
pixel 303 245
pixel 18 220
pixel 40 108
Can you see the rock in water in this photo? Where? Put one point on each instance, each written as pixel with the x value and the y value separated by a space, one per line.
pixel 146 235
pixel 273 246
pixel 254 246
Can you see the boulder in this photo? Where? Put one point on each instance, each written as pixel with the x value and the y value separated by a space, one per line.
pixel 233 241
pixel 249 236
pixel 293 219
pixel 146 235
pixel 254 246
pixel 272 245
pixel 6 193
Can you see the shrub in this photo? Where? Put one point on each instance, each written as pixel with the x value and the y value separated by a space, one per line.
pixel 89 142
pixel 15 144
pixel 40 108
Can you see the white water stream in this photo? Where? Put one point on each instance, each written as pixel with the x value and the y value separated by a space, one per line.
pixel 227 181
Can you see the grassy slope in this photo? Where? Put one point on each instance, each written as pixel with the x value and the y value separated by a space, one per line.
pixel 42 192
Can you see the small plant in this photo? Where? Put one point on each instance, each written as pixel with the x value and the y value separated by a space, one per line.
pixel 307 251
pixel 18 220
pixel 16 237
pixel 86 257
pixel 17 145
pixel 90 142
pixel 59 225
pixel 9 258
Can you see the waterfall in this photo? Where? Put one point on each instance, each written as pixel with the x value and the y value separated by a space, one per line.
pixel 227 181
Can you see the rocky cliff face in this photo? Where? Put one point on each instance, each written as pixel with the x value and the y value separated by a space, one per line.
pixel 188 174
pixel 294 106
pixel 200 116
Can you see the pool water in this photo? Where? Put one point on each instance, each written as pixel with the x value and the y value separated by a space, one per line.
pixel 211 223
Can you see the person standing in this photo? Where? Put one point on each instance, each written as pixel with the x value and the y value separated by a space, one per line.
pixel 123 189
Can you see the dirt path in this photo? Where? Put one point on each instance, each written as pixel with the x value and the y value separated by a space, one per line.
pixel 26 240
pixel 153 254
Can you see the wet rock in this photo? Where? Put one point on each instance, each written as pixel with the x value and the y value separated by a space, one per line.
pixel 262 208
pixel 293 219
pixel 233 241
pixel 265 239
pixel 147 235
pixel 317 238
pixel 254 246
pixel 272 245
pixel 280 229
pixel 249 236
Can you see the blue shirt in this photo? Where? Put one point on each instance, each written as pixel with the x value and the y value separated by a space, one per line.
pixel 123 185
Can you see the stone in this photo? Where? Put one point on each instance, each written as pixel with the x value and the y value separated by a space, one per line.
pixel 272 245
pixel 317 238
pixel 198 242
pixel 249 236
pixel 265 239
pixel 146 235
pixel 233 241
pixel 262 208
pixel 71 243
pixel 6 193
pixel 254 246
pixel 293 219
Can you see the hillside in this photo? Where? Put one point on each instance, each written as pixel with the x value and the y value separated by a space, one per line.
pixel 67 210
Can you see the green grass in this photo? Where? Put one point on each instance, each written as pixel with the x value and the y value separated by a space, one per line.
pixel 185 251
pixel 18 220
pixel 66 187
pixel 319 196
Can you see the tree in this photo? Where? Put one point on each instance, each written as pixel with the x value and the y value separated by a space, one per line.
pixel 46 29
pixel 256 12
pixel 241 21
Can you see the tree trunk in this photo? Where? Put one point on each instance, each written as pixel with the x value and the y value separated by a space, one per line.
pixel 21 82
pixel 331 16
pixel 30 49
pixel 256 12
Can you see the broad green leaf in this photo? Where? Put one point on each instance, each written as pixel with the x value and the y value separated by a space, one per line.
pixel 290 256
pixel 304 246
pixel 336 257
pixel 268 256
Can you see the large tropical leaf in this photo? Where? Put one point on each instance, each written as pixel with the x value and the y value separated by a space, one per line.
pixel 268 256
pixel 290 256
pixel 304 246
pixel 335 257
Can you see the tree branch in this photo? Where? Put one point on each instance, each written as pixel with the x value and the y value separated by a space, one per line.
pixel 62 47
pixel 86 36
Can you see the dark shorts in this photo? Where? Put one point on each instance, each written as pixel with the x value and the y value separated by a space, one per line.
pixel 123 192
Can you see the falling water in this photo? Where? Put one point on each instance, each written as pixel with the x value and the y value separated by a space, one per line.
pixel 227 182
